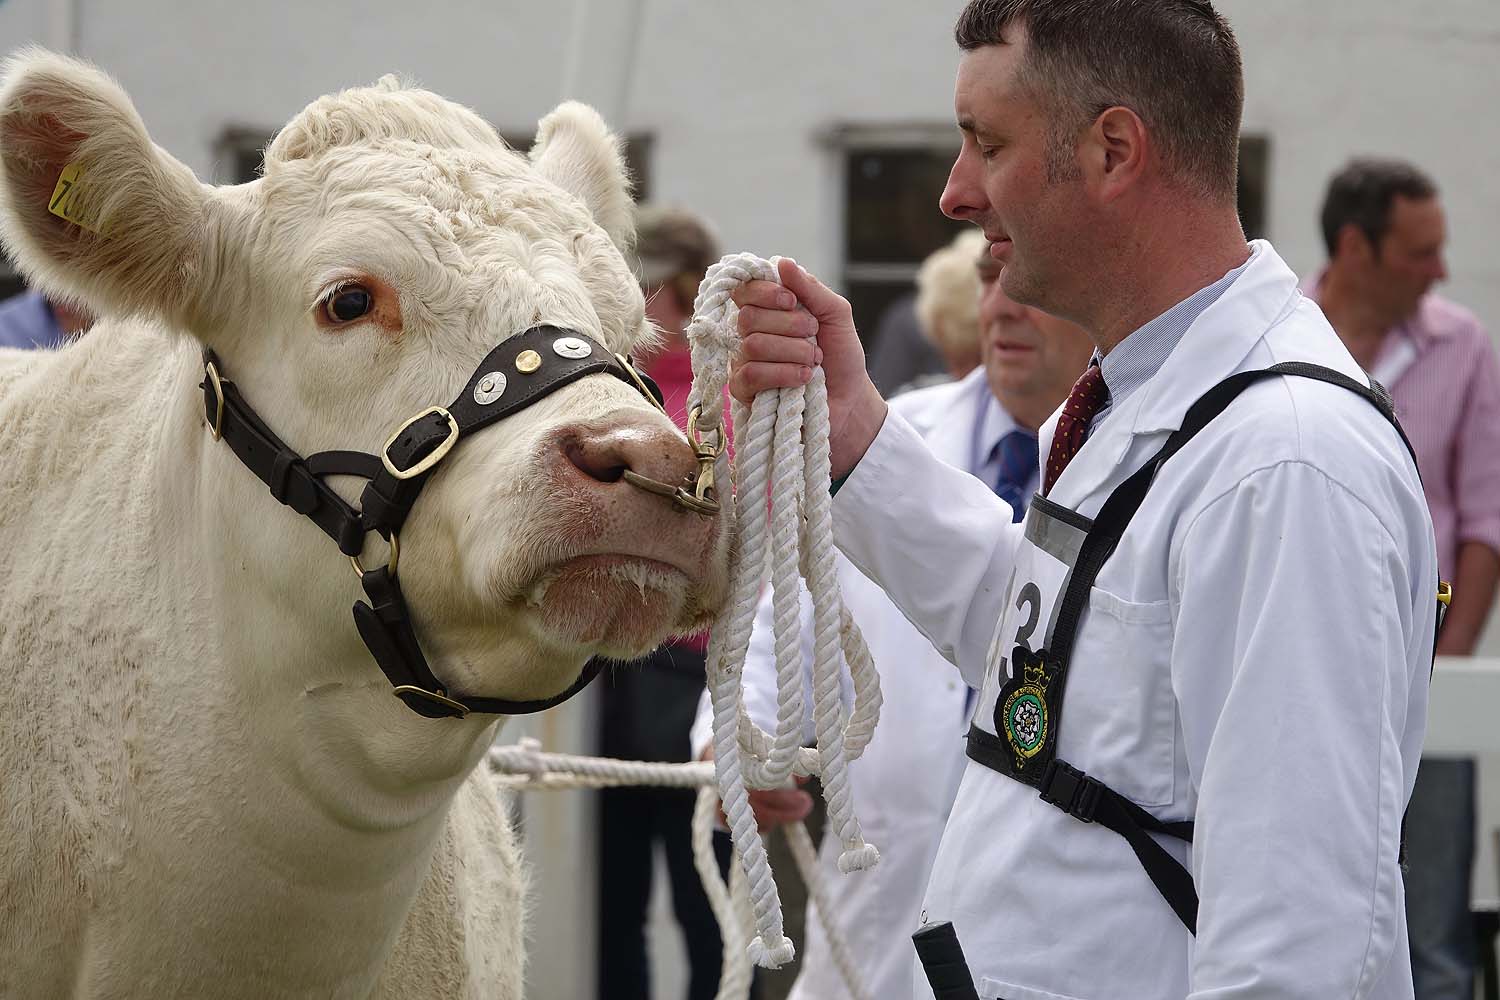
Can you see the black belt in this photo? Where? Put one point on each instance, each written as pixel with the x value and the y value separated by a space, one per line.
pixel 1090 800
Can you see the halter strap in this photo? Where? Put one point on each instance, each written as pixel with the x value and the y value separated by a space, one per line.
pixel 514 375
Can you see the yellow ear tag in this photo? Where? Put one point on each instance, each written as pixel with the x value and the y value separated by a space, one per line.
pixel 70 199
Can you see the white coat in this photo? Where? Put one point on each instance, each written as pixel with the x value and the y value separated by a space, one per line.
pixel 904 783
pixel 1255 655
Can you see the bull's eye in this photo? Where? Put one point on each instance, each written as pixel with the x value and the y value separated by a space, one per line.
pixel 348 303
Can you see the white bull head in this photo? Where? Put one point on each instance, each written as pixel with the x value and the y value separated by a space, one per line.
pixel 202 731
pixel 393 241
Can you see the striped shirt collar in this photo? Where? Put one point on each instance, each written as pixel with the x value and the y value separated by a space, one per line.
pixel 1140 356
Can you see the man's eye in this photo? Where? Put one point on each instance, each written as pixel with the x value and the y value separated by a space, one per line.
pixel 348 304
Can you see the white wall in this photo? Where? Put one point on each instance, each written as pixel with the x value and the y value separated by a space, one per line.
pixel 738 97
pixel 1420 81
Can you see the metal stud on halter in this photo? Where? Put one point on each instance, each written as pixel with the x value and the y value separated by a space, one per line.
pixel 781 451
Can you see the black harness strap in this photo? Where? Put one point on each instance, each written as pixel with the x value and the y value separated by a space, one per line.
pixel 385 626
pixel 517 373
pixel 1059 783
pixel 291 480
pixel 521 381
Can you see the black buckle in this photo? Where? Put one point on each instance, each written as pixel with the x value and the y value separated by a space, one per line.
pixel 1072 791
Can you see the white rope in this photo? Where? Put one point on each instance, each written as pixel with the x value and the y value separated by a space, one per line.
pixel 734 975
pixel 776 491
pixel 524 766
pixel 806 857
pixel 781 455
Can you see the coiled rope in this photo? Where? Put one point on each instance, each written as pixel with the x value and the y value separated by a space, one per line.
pixel 783 510
pixel 776 491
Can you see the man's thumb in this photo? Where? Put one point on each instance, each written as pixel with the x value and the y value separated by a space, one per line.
pixel 819 299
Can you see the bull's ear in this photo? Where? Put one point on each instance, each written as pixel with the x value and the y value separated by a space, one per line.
pixel 576 151
pixel 90 210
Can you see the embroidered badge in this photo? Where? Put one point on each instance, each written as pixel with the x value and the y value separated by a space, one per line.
pixel 1023 714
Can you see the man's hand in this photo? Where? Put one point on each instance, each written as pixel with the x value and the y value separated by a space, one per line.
pixel 773 807
pixel 787 329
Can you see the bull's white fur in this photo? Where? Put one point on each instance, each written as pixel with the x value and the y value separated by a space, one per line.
pixel 206 787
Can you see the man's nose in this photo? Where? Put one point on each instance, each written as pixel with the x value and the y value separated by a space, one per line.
pixel 963 196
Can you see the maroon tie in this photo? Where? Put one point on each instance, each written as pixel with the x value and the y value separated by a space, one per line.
pixel 1087 397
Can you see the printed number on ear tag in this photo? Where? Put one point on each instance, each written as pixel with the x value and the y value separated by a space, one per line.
pixel 71 199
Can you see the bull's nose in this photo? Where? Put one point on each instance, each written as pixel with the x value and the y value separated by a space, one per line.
pixel 637 444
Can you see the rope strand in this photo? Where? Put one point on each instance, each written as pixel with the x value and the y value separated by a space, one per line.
pixel 776 493
pixel 781 456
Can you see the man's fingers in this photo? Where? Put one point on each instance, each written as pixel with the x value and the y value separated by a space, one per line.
pixel 751 378
pixel 776 806
pixel 773 349
pixel 766 294
pixel 786 322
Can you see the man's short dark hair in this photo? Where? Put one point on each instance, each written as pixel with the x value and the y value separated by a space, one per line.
pixel 1175 63
pixel 1364 191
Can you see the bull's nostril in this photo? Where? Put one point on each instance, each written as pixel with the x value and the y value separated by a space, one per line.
pixel 601 464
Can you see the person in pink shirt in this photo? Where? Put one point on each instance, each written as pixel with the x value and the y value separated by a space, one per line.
pixel 1385 230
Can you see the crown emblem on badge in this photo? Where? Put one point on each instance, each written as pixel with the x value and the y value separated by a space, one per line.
pixel 1035 674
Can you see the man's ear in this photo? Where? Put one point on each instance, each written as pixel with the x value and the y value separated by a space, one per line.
pixel 1114 151
pixel 90 210
pixel 576 151
pixel 1352 244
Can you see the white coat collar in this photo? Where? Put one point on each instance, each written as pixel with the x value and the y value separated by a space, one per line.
pixel 1214 347
pixel 944 415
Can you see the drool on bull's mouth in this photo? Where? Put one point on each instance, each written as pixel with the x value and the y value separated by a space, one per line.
pixel 642 572
pixel 622 605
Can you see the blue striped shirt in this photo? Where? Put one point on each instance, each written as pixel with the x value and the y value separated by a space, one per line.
pixel 1140 356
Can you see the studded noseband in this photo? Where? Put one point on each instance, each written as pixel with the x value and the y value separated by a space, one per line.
pixel 519 372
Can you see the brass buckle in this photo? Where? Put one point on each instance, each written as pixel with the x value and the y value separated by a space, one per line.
pixel 640 383
pixel 436 697
pixel 1445 593
pixel 390 563
pixel 433 458
pixel 217 428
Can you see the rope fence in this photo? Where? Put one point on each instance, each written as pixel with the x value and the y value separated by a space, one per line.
pixel 524 766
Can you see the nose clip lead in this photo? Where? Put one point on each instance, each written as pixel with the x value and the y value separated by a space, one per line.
pixel 697 493
pixel 679 495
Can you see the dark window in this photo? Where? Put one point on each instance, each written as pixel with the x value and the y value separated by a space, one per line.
pixel 239 154
pixel 892 222
pixel 1252 188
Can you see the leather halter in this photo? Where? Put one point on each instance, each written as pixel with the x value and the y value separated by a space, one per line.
pixel 520 371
